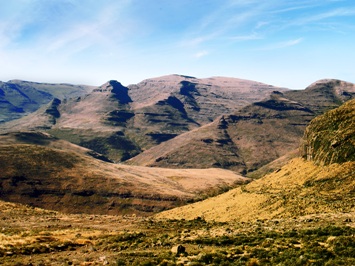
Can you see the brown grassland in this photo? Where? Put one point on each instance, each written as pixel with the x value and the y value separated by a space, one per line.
pixel 32 236
pixel 302 213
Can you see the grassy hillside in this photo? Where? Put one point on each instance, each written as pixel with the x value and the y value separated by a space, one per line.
pixel 298 188
pixel 68 180
pixel 323 184
pixel 301 214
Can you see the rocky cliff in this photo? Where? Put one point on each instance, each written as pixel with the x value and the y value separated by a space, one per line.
pixel 330 138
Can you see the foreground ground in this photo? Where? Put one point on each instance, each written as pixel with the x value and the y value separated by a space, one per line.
pixel 31 236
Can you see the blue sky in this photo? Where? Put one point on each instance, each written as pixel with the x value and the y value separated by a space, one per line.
pixel 289 43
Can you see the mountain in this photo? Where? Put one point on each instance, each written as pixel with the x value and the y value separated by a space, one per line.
pixel 166 121
pixel 19 98
pixel 253 136
pixel 43 171
pixel 203 100
pixel 320 182
pixel 121 122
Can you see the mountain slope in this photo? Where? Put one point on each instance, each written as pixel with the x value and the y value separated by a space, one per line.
pixel 65 178
pixel 253 136
pixel 46 140
pixel 18 98
pixel 300 187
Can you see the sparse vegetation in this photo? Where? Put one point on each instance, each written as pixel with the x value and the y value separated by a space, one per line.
pixel 301 214
pixel 31 235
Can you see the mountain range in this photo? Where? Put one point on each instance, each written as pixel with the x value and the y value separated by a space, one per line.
pixel 158 144
pixel 120 122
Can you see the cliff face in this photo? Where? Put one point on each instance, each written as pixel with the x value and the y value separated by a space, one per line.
pixel 330 138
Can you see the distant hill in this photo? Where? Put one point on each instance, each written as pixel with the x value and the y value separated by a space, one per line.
pixel 19 98
pixel 43 171
pixel 324 183
pixel 120 122
pixel 253 136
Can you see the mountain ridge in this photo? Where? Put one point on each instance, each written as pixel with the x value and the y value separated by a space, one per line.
pixel 253 135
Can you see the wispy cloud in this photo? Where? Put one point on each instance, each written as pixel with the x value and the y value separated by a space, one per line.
pixel 70 26
pixel 42 36
pixel 281 45
pixel 226 20
pixel 338 12
pixel 198 40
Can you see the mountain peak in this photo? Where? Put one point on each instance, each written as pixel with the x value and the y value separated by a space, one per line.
pixel 117 90
pixel 108 86
pixel 331 84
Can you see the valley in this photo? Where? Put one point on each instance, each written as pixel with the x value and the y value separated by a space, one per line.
pixel 236 172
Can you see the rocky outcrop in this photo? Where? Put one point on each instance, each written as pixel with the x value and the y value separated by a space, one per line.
pixel 53 111
pixel 330 138
pixel 117 91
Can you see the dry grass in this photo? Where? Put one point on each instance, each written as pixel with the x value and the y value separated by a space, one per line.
pixel 299 188
pixel 38 237
pixel 71 182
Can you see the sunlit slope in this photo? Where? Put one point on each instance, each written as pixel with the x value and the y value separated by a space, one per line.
pixel 301 187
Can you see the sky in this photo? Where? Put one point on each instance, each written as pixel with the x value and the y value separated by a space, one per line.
pixel 288 43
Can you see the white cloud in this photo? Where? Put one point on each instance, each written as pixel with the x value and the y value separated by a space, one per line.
pixel 201 54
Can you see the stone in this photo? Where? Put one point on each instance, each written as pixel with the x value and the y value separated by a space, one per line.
pixel 178 249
